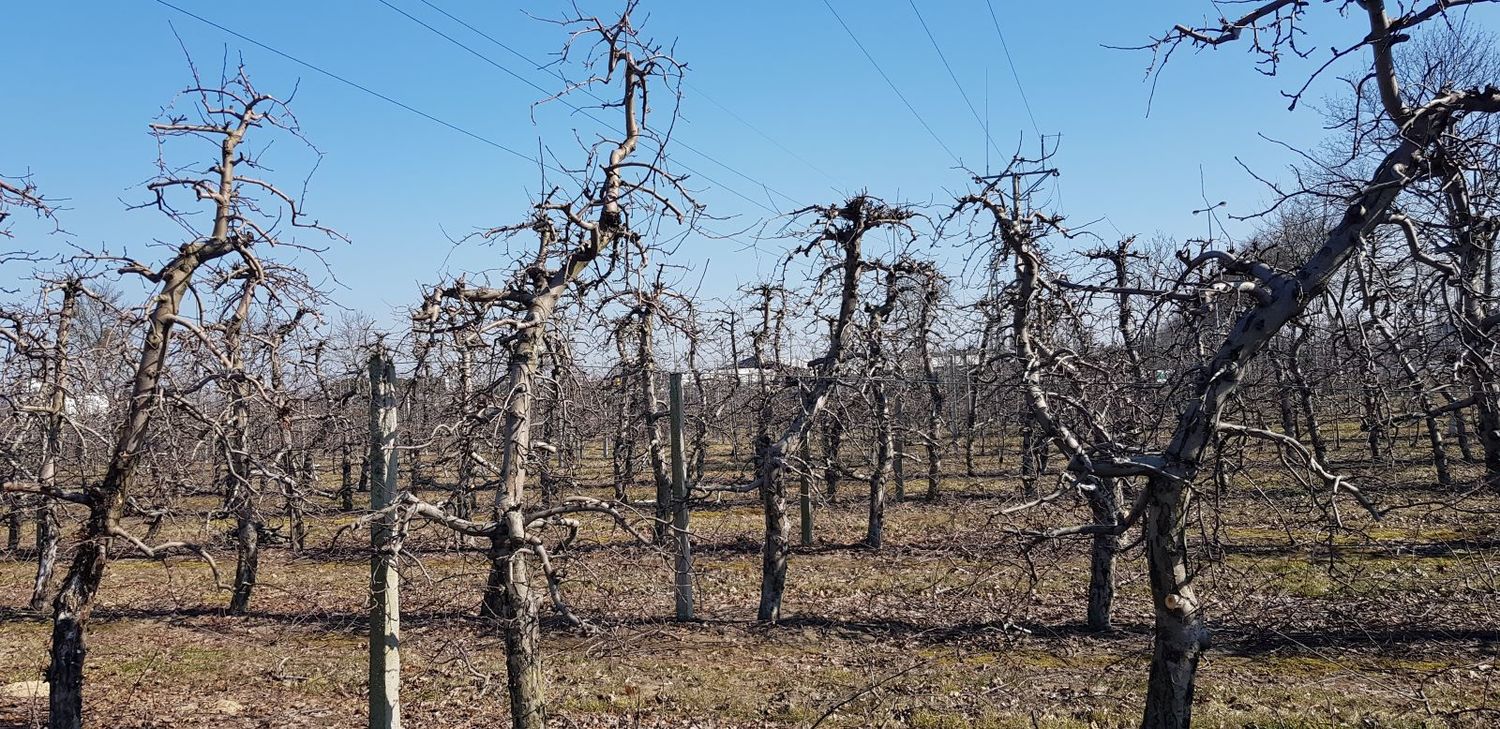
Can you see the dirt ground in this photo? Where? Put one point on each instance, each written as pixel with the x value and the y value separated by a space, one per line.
pixel 951 624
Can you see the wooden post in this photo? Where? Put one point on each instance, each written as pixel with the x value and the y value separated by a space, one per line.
pixel 684 567
pixel 385 582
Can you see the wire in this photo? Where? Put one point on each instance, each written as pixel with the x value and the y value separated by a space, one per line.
pixel 892 84
pixel 710 99
pixel 446 124
pixel 586 112
pixel 763 135
pixel 360 87
pixel 954 76
pixel 1021 89
pixel 1013 74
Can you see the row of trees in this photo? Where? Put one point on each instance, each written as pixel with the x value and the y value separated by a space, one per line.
pixel 1116 370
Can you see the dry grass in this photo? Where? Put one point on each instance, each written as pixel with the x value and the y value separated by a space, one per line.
pixel 1381 624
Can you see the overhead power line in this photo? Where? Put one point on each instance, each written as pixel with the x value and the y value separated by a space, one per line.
pixel 956 83
pixel 1013 73
pixel 763 135
pixel 360 87
pixel 586 112
pixel 414 110
pixel 1021 89
pixel 402 105
pixel 695 89
pixel 892 84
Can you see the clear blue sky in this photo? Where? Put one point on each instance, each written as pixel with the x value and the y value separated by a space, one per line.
pixel 83 79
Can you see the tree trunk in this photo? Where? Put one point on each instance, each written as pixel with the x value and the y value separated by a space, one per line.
pixel 881 469
pixel 833 440
pixel 70 613
pixel 1305 397
pixel 1461 435
pixel 238 495
pixel 934 430
pixel 1104 504
pixel 898 462
pixel 1424 401
pixel 296 528
pixel 934 460
pixel 776 546
pixel 48 531
pixel 508 598
pixel 1029 448
pixel 463 485
pixel 346 480
pixel 804 492
pixel 12 523
pixel 651 418
pixel 1487 409
pixel 1284 404
pixel 624 453
pixel 857 217
pixel 74 602
pixel 247 558
pixel 1474 241
pixel 971 419
pixel 48 534
pixel 1374 423
pixel 1435 442
pixel 1181 635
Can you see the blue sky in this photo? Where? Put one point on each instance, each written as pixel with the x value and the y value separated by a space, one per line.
pixel 85 78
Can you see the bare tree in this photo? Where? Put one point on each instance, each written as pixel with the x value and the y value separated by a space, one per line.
pixel 572 236
pixel 838 233
pixel 22 193
pixel 47 527
pixel 226 114
pixel 933 288
pixel 1273 297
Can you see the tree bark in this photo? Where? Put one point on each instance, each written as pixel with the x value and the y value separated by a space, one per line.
pixel 846 228
pixel 239 498
pixel 651 418
pixel 508 595
pixel 1305 394
pixel 1474 240
pixel 880 470
pixel 75 598
pixel 833 440
pixel 1180 632
pixel 1104 504
pixel 804 492
pixel 934 431
pixel 12 521
pixel 48 535
pixel 48 531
